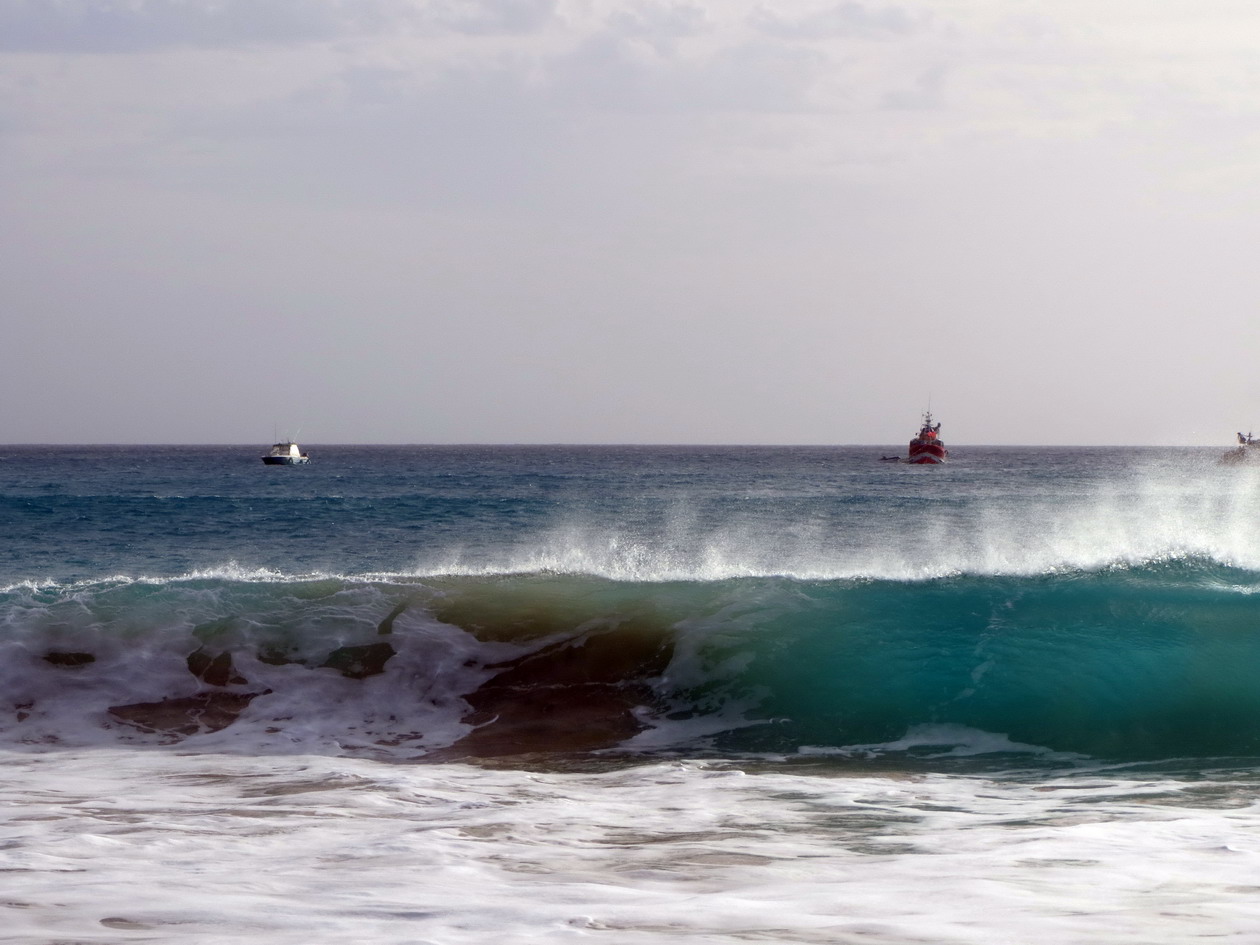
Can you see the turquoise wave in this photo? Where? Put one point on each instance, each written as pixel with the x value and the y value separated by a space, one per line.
pixel 1153 662
pixel 1150 662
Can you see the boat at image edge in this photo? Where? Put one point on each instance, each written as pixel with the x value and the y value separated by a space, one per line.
pixel 1247 450
pixel 285 454
pixel 927 448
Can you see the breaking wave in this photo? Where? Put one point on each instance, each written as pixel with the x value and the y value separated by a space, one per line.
pixel 1127 661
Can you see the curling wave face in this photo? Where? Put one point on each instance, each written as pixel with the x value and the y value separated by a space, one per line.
pixel 1127 662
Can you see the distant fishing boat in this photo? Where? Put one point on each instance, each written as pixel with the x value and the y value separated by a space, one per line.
pixel 1247 450
pixel 927 448
pixel 285 454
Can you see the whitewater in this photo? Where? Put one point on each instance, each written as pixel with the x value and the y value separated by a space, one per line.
pixel 630 694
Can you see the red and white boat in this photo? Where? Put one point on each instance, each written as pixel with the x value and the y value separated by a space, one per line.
pixel 927 448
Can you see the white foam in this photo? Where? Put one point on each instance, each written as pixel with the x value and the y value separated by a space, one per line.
pixel 944 741
pixel 140 654
pixel 192 849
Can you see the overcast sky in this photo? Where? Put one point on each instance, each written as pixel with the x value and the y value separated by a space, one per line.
pixel 707 221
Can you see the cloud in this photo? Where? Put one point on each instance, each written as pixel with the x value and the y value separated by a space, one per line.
pixel 842 19
pixel 489 17
pixel 612 73
pixel 926 92
pixel 659 20
pixel 132 26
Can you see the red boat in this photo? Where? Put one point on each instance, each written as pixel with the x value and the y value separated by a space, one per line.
pixel 927 448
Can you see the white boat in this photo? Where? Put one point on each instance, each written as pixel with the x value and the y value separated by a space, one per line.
pixel 285 454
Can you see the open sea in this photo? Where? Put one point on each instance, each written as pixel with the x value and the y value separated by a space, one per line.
pixel 628 695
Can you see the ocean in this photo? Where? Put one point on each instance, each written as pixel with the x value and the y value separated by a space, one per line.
pixel 628 695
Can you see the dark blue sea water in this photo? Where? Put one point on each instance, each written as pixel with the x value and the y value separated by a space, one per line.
pixel 75 513
pixel 737 600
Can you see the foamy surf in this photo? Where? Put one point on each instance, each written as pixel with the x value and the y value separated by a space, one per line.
pixel 113 845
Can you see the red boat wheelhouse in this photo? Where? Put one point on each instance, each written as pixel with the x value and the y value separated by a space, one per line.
pixel 927 448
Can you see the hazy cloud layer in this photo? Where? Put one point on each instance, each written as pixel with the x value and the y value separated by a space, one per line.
pixel 840 19
pixel 705 220
pixel 131 26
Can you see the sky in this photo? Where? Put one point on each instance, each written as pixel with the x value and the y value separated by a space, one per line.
pixel 643 221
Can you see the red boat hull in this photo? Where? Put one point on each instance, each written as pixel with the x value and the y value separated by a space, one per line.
pixel 924 454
